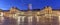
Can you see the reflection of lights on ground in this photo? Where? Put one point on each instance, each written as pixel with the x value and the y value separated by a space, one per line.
pixel 1 20
pixel 18 20
pixel 59 20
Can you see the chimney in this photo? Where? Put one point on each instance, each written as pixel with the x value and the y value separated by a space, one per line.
pixel 29 6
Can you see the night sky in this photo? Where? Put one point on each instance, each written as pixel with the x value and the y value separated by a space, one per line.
pixel 23 4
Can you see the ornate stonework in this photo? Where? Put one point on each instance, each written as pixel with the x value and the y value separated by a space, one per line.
pixel 42 16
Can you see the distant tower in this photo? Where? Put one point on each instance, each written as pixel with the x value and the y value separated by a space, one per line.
pixel 29 6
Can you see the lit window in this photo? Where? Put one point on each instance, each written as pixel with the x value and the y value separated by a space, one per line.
pixel 47 14
pixel 1 14
pixel 38 13
pixel 15 15
pixel 22 13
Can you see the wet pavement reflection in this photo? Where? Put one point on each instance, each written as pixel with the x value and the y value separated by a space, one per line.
pixel 12 21
pixel 9 21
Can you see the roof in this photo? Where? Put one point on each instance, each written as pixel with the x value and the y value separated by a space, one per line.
pixel 14 7
pixel 6 10
pixel 56 9
pixel 30 10
pixel 36 9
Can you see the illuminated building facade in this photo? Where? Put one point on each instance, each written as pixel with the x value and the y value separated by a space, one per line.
pixel 46 16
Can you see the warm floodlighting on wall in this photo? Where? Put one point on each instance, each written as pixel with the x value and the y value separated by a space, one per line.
pixel 59 18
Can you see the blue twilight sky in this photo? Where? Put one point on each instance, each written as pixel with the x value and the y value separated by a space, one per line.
pixel 22 4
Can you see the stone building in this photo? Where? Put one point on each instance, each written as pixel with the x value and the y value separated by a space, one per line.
pixel 46 16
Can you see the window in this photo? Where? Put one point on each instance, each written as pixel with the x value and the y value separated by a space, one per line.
pixel 38 13
pixel 1 14
pixel 48 14
pixel 22 13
